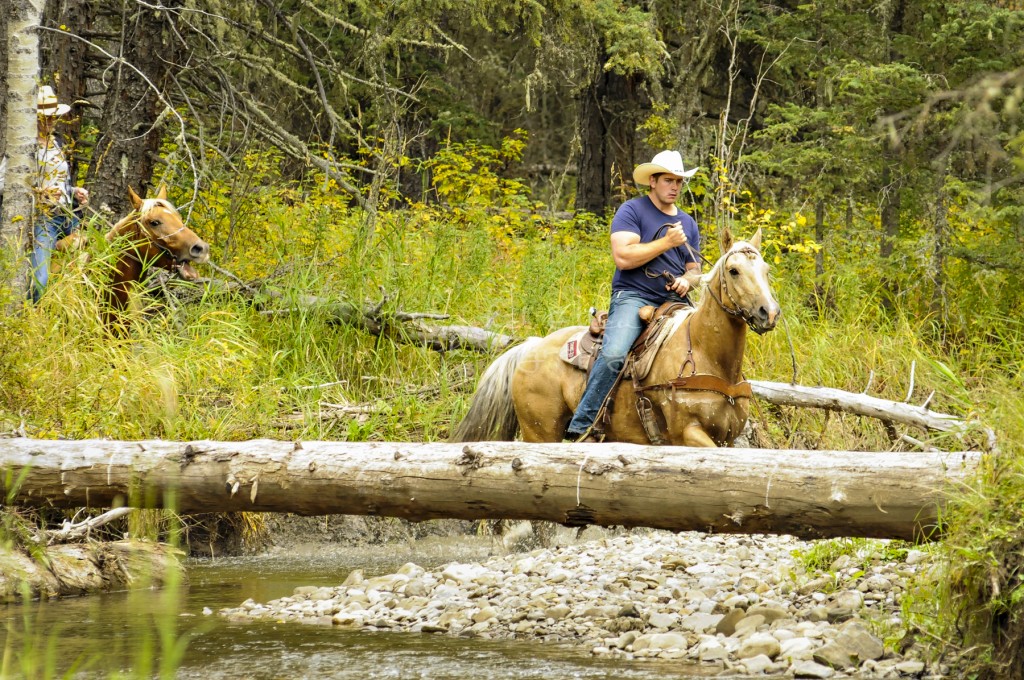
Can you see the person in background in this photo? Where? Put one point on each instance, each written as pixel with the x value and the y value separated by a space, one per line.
pixel 649 236
pixel 56 199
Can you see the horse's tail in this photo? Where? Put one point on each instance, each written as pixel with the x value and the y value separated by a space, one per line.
pixel 492 415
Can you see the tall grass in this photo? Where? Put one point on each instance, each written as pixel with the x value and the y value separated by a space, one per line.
pixel 233 366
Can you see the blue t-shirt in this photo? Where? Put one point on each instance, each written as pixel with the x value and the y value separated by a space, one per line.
pixel 640 216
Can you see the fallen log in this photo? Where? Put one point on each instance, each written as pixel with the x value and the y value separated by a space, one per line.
pixel 811 494
pixel 403 326
pixel 832 399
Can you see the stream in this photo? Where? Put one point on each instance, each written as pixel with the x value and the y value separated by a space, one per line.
pixel 150 633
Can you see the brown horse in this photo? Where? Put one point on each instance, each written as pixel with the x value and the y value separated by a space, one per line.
pixel 695 384
pixel 154 236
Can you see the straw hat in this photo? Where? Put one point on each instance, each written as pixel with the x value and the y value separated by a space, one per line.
pixel 47 104
pixel 666 162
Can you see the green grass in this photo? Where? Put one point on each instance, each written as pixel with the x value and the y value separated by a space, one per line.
pixel 230 367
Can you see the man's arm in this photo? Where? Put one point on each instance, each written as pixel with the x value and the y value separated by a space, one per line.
pixel 629 253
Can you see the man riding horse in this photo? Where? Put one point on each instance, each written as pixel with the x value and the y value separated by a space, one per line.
pixel 650 236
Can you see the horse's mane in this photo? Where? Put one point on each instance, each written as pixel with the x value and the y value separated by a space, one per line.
pixel 150 204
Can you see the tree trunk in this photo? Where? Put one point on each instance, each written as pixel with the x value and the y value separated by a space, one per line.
pixel 890 229
pixel 891 183
pixel 805 493
pixel 22 41
pixel 609 113
pixel 5 12
pixel 828 398
pixel 129 141
pixel 820 291
pixel 941 227
pixel 592 186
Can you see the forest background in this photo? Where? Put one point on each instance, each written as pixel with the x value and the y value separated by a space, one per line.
pixel 464 159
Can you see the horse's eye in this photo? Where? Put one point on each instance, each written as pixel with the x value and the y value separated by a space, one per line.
pixel 733 271
pixel 154 223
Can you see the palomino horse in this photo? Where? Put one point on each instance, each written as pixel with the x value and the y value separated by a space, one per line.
pixel 155 236
pixel 695 383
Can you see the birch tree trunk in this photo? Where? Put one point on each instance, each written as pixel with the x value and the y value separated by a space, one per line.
pixel 805 493
pixel 22 41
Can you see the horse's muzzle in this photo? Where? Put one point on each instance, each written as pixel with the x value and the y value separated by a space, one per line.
pixel 199 252
pixel 765 317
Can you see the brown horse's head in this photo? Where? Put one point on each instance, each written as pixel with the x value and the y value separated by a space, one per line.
pixel 739 283
pixel 159 236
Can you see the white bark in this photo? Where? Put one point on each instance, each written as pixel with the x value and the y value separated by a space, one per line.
pixel 22 41
pixel 804 493
pixel 786 394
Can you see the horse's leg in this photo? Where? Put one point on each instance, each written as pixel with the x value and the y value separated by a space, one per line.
pixel 543 427
pixel 540 406
pixel 541 388
pixel 694 435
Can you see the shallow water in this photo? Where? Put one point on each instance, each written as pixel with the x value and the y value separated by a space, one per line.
pixel 108 633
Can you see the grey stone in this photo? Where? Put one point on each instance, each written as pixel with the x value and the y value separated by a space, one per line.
pixel 816 614
pixel 820 583
pixel 848 599
pixel 698 623
pixel 770 614
pixel 748 624
pixel 661 620
pixel 911 667
pixel 855 637
pixel 727 626
pixel 810 669
pixel 759 643
pixel 658 641
pixel 757 664
pixel 835 656
pixel 837 614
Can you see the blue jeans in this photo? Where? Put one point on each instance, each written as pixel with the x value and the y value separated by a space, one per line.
pixel 46 232
pixel 623 328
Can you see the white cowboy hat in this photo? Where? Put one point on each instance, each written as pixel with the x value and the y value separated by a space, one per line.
pixel 46 103
pixel 667 162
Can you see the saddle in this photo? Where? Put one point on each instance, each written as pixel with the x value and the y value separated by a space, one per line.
pixel 582 348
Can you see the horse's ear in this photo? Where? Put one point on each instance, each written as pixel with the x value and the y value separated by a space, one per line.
pixel 162 193
pixel 726 240
pixel 755 240
pixel 134 198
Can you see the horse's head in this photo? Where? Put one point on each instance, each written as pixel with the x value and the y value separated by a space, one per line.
pixel 739 283
pixel 161 237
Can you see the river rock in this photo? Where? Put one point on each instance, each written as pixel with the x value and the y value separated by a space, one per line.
pixel 759 643
pixel 810 669
pixel 645 594
pixel 727 625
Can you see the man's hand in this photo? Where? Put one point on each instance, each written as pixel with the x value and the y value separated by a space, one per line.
pixel 679 285
pixel 81 195
pixel 675 236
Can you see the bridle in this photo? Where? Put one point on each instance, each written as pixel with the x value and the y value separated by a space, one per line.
pixel 158 240
pixel 735 311
pixel 646 408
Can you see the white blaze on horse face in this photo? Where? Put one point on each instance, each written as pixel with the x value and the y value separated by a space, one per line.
pixel 165 228
pixel 748 284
